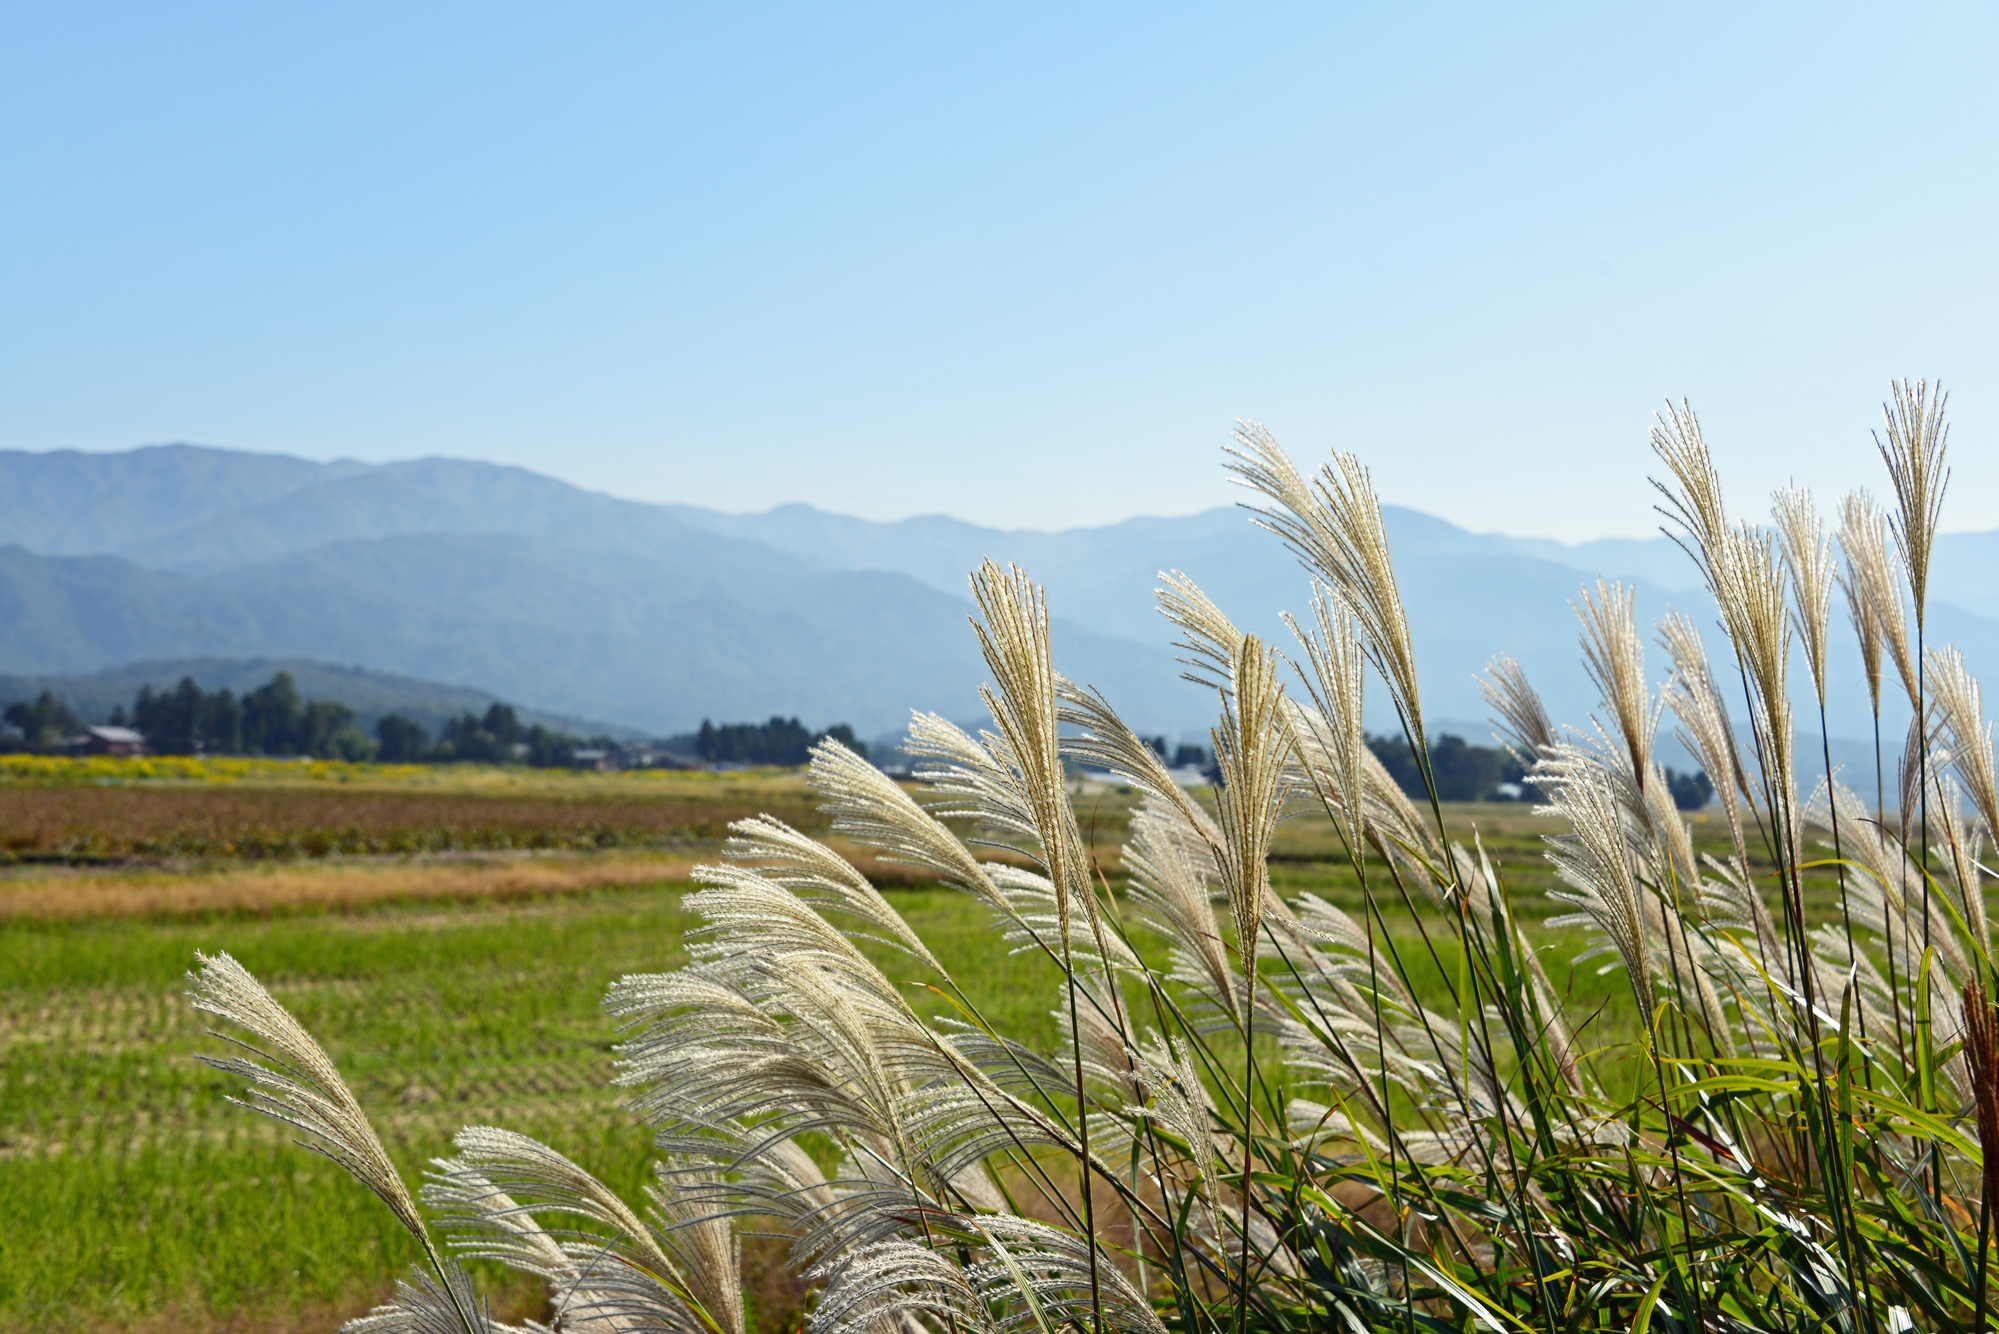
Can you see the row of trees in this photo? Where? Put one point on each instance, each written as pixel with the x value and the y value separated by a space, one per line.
pixel 495 738
pixel 781 741
pixel 44 722
pixel 273 719
pixel 1474 773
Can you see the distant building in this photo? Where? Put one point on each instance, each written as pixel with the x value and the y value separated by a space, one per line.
pixel 108 741
pixel 593 758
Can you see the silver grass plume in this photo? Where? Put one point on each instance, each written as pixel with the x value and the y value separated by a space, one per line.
pixel 881 1288
pixel 1755 610
pixel 1251 747
pixel 1014 638
pixel 1960 709
pixel 871 808
pixel 822 877
pixel 688 1276
pixel 1909 774
pixel 1855 512
pixel 1106 740
pixel 1962 846
pixel 302 1088
pixel 1336 683
pixel 1914 453
pixel 1877 583
pixel 1614 657
pixel 1808 556
pixel 1210 636
pixel 1705 730
pixel 1058 1266
pixel 1334 526
pixel 1170 893
pixel 1696 503
pixel 1394 824
pixel 1178 1102
pixel 1594 861
pixel 1522 716
pixel 1955 694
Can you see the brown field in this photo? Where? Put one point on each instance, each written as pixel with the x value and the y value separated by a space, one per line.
pixel 117 822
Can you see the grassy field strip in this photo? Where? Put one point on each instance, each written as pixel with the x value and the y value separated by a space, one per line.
pixel 338 886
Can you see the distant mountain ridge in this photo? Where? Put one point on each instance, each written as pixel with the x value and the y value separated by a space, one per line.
pixel 655 616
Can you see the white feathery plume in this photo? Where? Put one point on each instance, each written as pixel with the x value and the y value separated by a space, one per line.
pixel 428 1306
pixel 1058 1267
pixel 1909 773
pixel 1962 846
pixel 1696 504
pixel 1754 608
pixel 1594 862
pixel 305 1091
pixel 821 877
pixel 680 1277
pixel 705 1248
pixel 1210 636
pixel 1914 453
pixel 970 778
pixel 1874 581
pixel 1522 716
pixel 1335 683
pixel 1014 639
pixel 1614 657
pixel 1705 730
pixel 1393 820
pixel 1107 741
pixel 302 1088
pixel 1251 747
pixel 1170 894
pixel 1178 1102
pixel 1959 703
pixel 1856 511
pixel 881 1288
pixel 1335 528
pixel 872 809
pixel 1808 556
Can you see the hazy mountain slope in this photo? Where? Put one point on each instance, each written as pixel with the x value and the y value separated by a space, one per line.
pixel 370 694
pixel 420 496
pixel 80 613
pixel 69 503
pixel 659 615
pixel 569 627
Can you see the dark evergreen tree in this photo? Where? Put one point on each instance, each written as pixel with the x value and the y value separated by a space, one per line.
pixel 400 741
pixel 273 718
pixel 44 722
pixel 1691 791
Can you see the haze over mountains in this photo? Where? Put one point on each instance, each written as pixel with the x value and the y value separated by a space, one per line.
pixel 656 616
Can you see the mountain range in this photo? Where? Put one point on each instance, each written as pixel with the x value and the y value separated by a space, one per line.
pixel 657 616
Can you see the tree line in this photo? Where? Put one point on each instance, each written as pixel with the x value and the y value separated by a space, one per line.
pixel 274 719
pixel 496 738
pixel 781 741
pixel 1466 772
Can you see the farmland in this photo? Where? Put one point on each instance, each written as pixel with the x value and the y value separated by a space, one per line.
pixel 454 984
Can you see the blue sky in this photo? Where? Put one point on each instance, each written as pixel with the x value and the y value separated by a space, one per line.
pixel 1019 264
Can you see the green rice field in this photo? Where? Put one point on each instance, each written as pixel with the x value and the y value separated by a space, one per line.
pixel 133 1196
